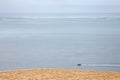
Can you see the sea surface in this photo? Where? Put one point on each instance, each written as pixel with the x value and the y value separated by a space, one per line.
pixel 60 42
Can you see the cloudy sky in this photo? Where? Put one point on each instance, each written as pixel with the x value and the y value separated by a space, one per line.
pixel 59 6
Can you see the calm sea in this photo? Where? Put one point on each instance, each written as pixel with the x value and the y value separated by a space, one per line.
pixel 60 42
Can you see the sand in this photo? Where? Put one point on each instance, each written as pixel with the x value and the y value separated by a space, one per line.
pixel 58 74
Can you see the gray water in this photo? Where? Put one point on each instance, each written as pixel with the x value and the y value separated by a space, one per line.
pixel 60 43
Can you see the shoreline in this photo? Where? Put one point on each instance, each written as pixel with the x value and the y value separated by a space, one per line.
pixel 24 69
pixel 58 74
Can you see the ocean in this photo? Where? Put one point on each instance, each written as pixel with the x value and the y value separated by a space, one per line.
pixel 60 41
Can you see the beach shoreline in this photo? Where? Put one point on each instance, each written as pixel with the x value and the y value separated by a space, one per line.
pixel 58 74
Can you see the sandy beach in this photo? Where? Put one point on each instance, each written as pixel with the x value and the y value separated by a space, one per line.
pixel 58 74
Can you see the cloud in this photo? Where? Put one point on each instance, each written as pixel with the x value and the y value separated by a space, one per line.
pixel 38 6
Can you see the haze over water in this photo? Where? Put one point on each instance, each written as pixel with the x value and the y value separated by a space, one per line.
pixel 60 41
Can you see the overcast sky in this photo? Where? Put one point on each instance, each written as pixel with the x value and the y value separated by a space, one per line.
pixel 59 6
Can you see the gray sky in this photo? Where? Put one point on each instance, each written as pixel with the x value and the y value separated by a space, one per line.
pixel 59 6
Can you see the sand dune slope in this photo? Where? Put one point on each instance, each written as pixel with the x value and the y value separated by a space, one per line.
pixel 58 74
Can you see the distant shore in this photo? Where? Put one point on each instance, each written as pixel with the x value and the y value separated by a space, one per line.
pixel 58 74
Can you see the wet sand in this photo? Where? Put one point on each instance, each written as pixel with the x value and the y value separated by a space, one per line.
pixel 58 74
